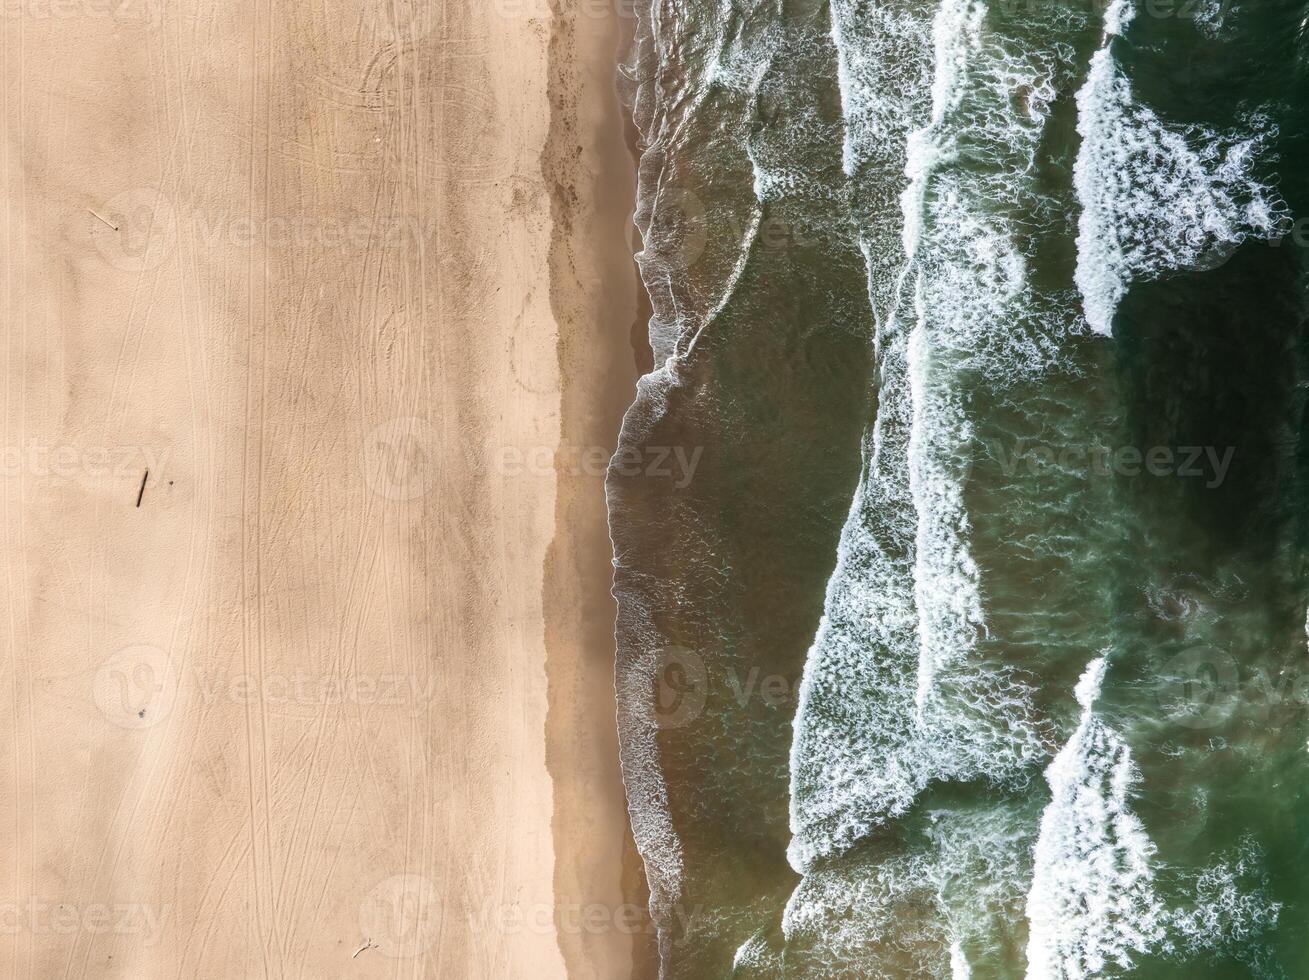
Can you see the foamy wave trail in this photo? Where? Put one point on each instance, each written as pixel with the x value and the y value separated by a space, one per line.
pixel 897 693
pixel 1097 902
pixel 1227 905
pixel 636 672
pixel 760 338
pixel 1156 198
pixel 1093 902
pixel 852 688
pixel 916 908
pixel 959 968
pixel 674 232
pixel 884 68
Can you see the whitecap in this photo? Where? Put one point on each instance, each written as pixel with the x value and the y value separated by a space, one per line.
pixel 897 692
pixel 1092 903
pixel 1156 198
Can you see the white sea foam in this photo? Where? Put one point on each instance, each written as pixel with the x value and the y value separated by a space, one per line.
pixel 914 908
pixel 1227 905
pixel 896 692
pixel 882 73
pixel 722 64
pixel 664 209
pixel 1095 900
pixel 972 311
pixel 754 958
pixel 637 668
pixel 1092 904
pixel 884 69
pixel 1117 16
pixel 1211 16
pixel 671 218
pixel 852 759
pixel 1155 198
pixel 959 968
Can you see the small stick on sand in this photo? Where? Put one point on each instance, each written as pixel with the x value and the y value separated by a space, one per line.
pixel 105 220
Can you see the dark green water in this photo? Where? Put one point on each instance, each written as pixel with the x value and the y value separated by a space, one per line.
pixel 964 633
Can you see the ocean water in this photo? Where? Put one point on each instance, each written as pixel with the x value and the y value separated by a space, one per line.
pixel 960 529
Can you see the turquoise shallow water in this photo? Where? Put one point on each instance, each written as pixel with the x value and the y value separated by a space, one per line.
pixel 976 641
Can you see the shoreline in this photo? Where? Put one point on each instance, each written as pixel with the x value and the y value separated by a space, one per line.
pixel 597 299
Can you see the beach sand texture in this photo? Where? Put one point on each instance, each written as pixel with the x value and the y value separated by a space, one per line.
pixel 342 279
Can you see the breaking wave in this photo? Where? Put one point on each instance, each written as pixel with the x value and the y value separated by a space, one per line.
pixel 1156 198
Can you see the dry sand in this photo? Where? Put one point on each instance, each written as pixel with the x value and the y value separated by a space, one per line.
pixel 329 692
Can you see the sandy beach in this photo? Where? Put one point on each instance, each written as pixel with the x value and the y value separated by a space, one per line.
pixel 317 342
